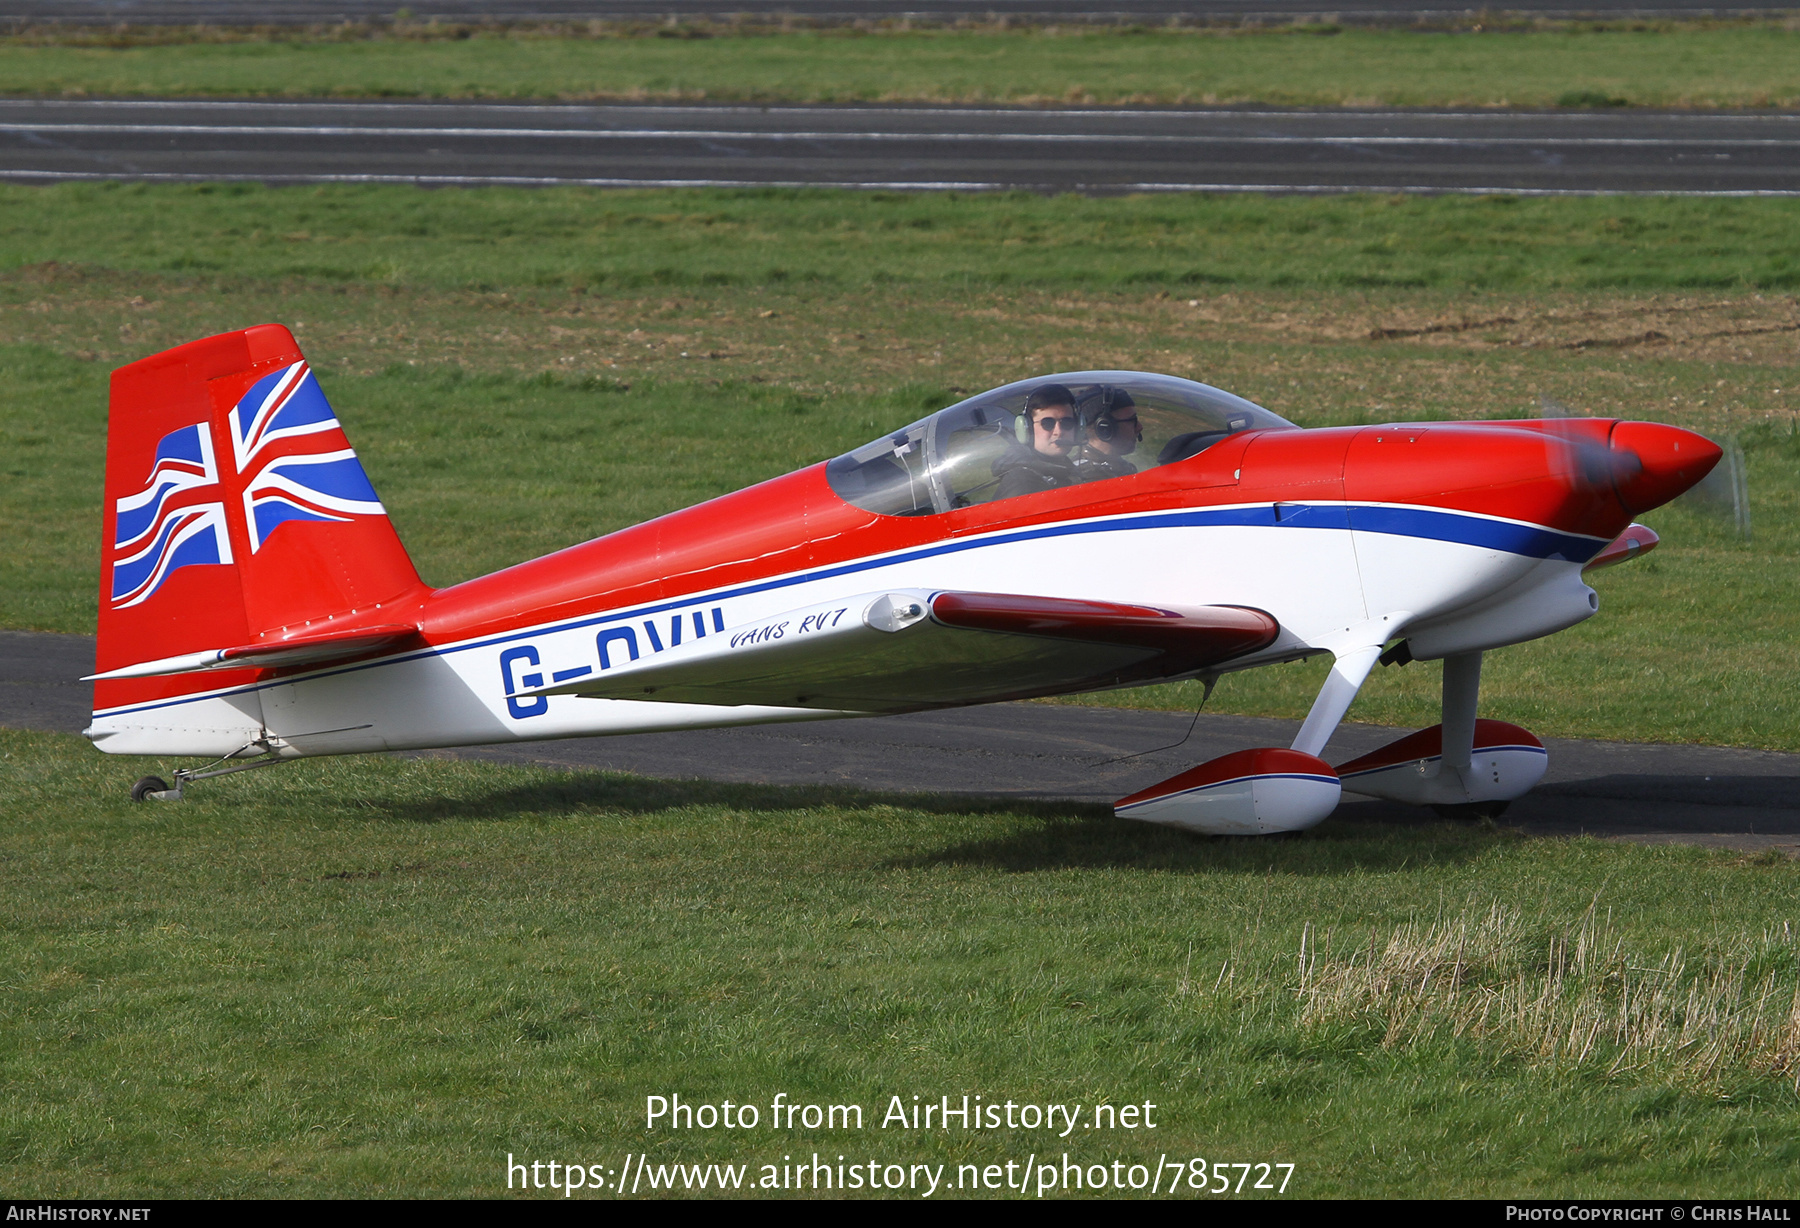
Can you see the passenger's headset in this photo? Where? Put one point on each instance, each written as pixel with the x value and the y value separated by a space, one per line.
pixel 1105 427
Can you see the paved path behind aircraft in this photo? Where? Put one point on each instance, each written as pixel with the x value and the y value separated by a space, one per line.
pixel 1087 150
pixel 1742 799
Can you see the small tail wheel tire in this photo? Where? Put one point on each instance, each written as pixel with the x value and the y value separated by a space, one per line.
pixel 142 790
pixel 1472 810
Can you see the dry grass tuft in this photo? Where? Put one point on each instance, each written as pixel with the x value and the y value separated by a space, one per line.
pixel 1573 997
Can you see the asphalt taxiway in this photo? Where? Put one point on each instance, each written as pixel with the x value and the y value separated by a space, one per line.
pixel 1727 798
pixel 1092 150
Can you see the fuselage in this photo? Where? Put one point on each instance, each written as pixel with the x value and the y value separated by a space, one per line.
pixel 1476 533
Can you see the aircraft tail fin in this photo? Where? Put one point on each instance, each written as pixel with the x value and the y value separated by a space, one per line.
pixel 237 521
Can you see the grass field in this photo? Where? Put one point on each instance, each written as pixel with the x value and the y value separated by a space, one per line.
pixel 1748 65
pixel 382 975
pixel 372 976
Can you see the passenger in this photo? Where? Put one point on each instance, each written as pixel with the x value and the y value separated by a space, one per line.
pixel 1112 432
pixel 1040 459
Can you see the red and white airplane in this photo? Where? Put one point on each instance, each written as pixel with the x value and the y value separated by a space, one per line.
pixel 257 606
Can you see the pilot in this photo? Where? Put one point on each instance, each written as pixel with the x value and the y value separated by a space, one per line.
pixel 1048 431
pixel 1111 432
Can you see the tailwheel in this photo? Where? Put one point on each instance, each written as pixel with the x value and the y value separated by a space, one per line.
pixel 1472 810
pixel 142 790
pixel 153 789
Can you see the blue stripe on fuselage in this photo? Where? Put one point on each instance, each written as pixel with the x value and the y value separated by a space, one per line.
pixel 1503 535
pixel 1530 541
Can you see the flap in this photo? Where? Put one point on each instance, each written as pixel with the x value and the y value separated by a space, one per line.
pixel 911 649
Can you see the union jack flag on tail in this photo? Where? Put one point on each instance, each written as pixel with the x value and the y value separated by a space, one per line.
pixel 238 510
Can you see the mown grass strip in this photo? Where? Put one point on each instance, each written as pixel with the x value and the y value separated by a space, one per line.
pixel 523 239
pixel 1730 66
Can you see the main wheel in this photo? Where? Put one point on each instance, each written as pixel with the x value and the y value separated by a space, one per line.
pixel 142 790
pixel 1472 810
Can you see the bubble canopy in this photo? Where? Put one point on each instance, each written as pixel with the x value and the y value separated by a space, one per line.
pixel 1080 427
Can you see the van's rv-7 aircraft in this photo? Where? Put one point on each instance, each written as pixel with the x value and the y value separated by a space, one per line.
pixel 257 606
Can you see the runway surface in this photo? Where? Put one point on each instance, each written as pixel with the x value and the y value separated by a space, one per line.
pixel 307 12
pixel 1098 151
pixel 1740 799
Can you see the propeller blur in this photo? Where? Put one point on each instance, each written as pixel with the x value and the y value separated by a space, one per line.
pixel 1061 534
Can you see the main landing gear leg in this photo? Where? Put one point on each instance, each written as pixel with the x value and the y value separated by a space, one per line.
pixel 1462 695
pixel 1347 675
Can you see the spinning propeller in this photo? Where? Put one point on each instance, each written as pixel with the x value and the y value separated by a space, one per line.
pixel 1724 494
pixel 1642 463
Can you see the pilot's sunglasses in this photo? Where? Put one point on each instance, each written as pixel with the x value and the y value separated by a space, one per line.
pixel 1050 425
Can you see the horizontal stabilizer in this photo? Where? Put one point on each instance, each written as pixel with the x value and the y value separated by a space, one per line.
pixel 915 649
pixel 321 648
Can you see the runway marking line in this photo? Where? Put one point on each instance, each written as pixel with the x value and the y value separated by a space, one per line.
pixel 740 134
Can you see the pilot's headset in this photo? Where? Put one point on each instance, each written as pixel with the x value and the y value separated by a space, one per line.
pixel 1042 397
pixel 1097 418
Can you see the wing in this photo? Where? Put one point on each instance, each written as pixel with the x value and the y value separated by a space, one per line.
pixel 913 649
